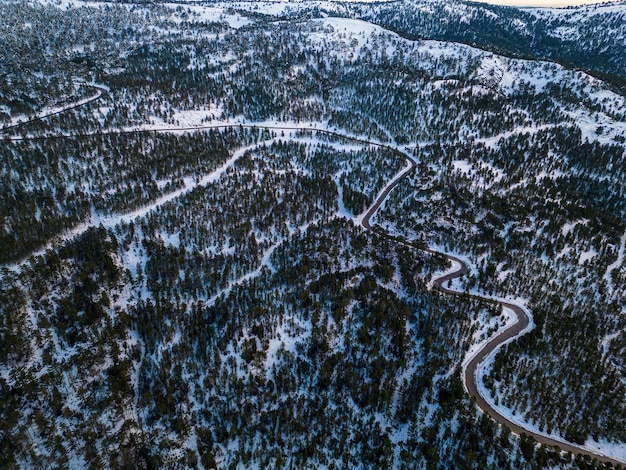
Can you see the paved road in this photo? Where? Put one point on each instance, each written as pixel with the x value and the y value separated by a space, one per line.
pixel 471 368
pixel 365 222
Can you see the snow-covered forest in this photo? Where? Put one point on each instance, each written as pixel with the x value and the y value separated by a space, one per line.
pixel 185 278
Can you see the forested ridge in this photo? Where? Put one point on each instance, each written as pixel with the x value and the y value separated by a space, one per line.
pixel 208 298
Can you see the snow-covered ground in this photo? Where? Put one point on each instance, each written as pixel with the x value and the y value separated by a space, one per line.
pixel 50 111
pixel 610 449
pixel 287 129
pixel 495 71
pixel 111 221
pixel 613 450
pixel 608 274
pixel 492 142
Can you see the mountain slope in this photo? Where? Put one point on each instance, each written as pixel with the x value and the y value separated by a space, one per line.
pixel 200 292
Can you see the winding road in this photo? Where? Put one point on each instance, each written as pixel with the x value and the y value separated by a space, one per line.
pixel 100 90
pixel 471 367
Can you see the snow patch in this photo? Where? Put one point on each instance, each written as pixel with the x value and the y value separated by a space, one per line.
pixel 608 274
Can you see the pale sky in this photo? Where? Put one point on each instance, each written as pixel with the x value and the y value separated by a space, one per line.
pixel 541 3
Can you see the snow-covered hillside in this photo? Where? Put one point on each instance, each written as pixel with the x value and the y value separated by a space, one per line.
pixel 185 282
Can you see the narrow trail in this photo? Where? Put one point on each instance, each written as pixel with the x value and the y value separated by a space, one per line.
pixel 471 367
pixel 109 222
pixel 46 114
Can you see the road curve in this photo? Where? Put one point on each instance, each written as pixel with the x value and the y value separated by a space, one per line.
pixel 38 117
pixel 470 370
pixel 365 222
